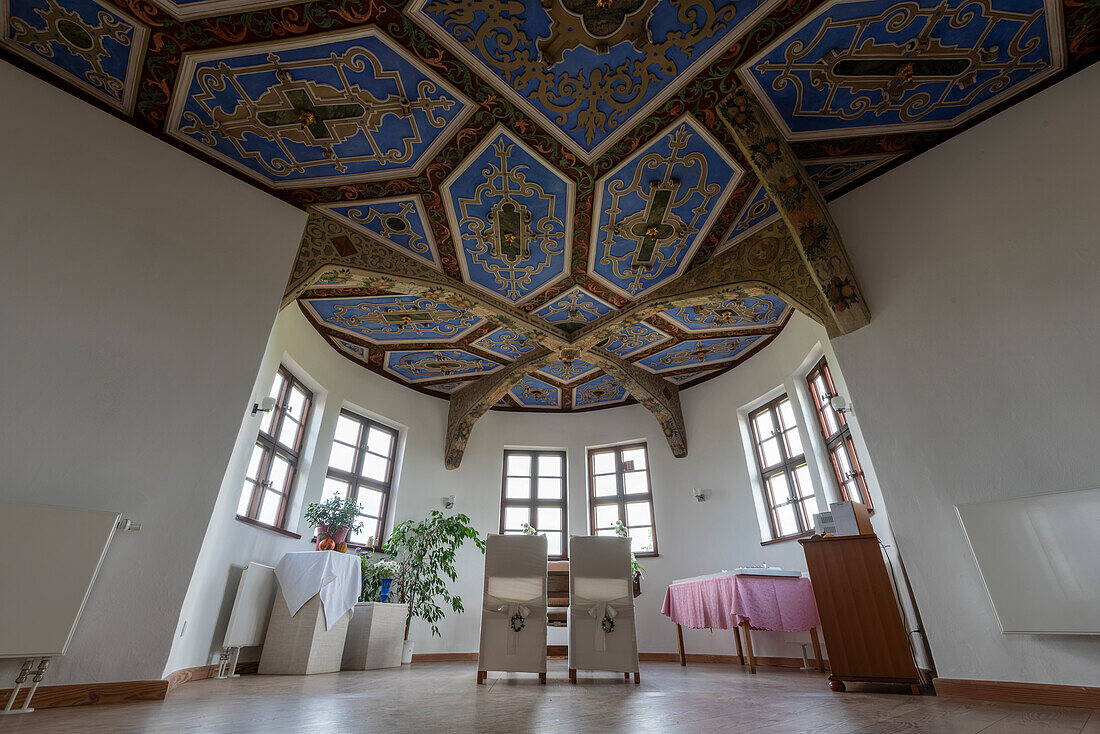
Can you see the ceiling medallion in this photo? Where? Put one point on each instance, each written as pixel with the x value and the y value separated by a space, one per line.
pixel 594 24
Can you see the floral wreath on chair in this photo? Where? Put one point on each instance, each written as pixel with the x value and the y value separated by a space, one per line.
pixel 517 622
pixel 607 624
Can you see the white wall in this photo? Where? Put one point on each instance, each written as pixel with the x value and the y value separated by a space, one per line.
pixel 137 287
pixel 694 538
pixel 976 378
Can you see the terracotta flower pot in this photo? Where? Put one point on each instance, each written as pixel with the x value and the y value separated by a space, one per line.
pixel 337 536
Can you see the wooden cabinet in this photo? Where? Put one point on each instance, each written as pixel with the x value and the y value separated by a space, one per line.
pixel 859 613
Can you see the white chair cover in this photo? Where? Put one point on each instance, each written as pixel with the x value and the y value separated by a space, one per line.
pixel 602 633
pixel 513 616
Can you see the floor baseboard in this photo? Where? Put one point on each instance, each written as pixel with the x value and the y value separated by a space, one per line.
pixel 202 672
pixel 561 651
pixel 86 694
pixel 1047 694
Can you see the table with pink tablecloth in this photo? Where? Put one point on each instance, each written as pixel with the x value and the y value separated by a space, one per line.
pixel 730 601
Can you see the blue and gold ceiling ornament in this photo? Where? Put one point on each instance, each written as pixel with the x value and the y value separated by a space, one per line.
pixel 568 371
pixel 604 390
pixel 504 342
pixel 330 108
pixel 399 222
pixel 634 338
pixel 531 392
pixel 588 70
pixel 697 352
pixel 389 319
pixel 573 309
pixel 440 364
pixel 756 311
pixel 356 350
pixel 656 206
pixel 513 214
pixel 890 66
pixel 92 45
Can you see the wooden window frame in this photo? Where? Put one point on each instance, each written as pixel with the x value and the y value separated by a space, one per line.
pixel 272 447
pixel 356 482
pixel 620 499
pixel 841 439
pixel 787 467
pixel 533 503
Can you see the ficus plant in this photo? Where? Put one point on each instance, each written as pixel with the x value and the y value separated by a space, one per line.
pixel 425 556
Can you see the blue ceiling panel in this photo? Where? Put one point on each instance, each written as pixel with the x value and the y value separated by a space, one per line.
pixel 575 306
pixel 531 392
pixel 604 390
pixel 418 366
pixel 697 352
pixel 733 314
pixel 399 222
pixel 393 318
pixel 568 371
pixel 505 342
pixel 634 338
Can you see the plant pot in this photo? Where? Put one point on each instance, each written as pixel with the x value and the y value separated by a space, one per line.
pixel 385 590
pixel 407 652
pixel 338 536
pixel 375 636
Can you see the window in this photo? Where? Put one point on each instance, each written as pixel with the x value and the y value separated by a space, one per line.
pixel 361 467
pixel 788 491
pixel 533 491
pixel 274 461
pixel 619 489
pixel 838 437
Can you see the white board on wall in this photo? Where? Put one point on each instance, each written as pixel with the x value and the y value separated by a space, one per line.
pixel 1039 557
pixel 51 556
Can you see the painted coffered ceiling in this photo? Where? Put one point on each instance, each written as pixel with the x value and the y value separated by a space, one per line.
pixel 554 205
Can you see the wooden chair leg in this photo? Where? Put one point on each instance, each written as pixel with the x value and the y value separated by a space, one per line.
pixel 542 678
pixel 637 678
pixel 748 647
pixel 817 649
pixel 481 676
pixel 680 640
pixel 573 675
pixel 626 676
pixel 740 651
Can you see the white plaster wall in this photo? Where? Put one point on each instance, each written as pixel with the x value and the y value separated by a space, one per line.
pixel 694 538
pixel 137 287
pixel 976 378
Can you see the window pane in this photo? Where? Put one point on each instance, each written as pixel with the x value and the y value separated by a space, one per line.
pixel 550 489
pixel 269 508
pixel 288 433
pixel 246 498
pixel 606 515
pixel 777 487
pixel 334 488
pixel 374 467
pixel 635 457
pixel 637 513
pixel 840 453
pixel 641 540
pixel 548 518
pixel 296 402
pixel 788 525
pixel 515 516
pixel 519 465
pixel 347 430
pixel 364 535
pixel 550 466
pixel 786 415
pixel 342 457
pixel 764 425
pixel 802 478
pixel 605 486
pixel 269 418
pixel 603 462
pixel 553 544
pixel 379 441
pixel 370 501
pixel 279 469
pixel 254 462
pixel 517 488
pixel 605 531
pixel 635 483
pixel 770 451
pixel 794 443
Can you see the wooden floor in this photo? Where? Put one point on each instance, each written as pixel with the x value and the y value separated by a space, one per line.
pixel 438 698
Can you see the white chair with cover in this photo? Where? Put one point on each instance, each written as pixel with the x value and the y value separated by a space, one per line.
pixel 513 616
pixel 602 632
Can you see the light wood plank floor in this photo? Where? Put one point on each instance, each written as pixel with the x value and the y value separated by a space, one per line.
pixel 438 698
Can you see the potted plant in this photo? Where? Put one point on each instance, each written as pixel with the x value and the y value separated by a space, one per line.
pixel 334 519
pixel 375 636
pixel 425 555
pixel 637 569
pixel 378 574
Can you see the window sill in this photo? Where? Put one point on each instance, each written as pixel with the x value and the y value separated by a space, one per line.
pixel 785 538
pixel 264 526
pixel 647 555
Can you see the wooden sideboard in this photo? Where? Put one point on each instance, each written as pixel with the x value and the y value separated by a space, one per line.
pixel 859 613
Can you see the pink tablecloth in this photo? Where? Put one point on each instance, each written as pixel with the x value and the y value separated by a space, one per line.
pixel 775 603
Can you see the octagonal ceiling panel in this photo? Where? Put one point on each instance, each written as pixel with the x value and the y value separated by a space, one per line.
pixel 574 308
pixel 570 371
pixel 399 222
pixel 513 214
pixel 389 319
pixel 336 107
pixel 531 392
pixel 439 364
pixel 729 315
pixel 587 70
pixel 635 338
pixel 875 66
pixel 602 391
pixel 697 352
pixel 655 207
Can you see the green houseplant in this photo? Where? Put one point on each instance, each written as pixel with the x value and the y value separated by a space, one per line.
pixel 334 519
pixel 425 555
pixel 637 569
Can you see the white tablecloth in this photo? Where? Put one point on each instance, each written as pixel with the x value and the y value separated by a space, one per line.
pixel 337 577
